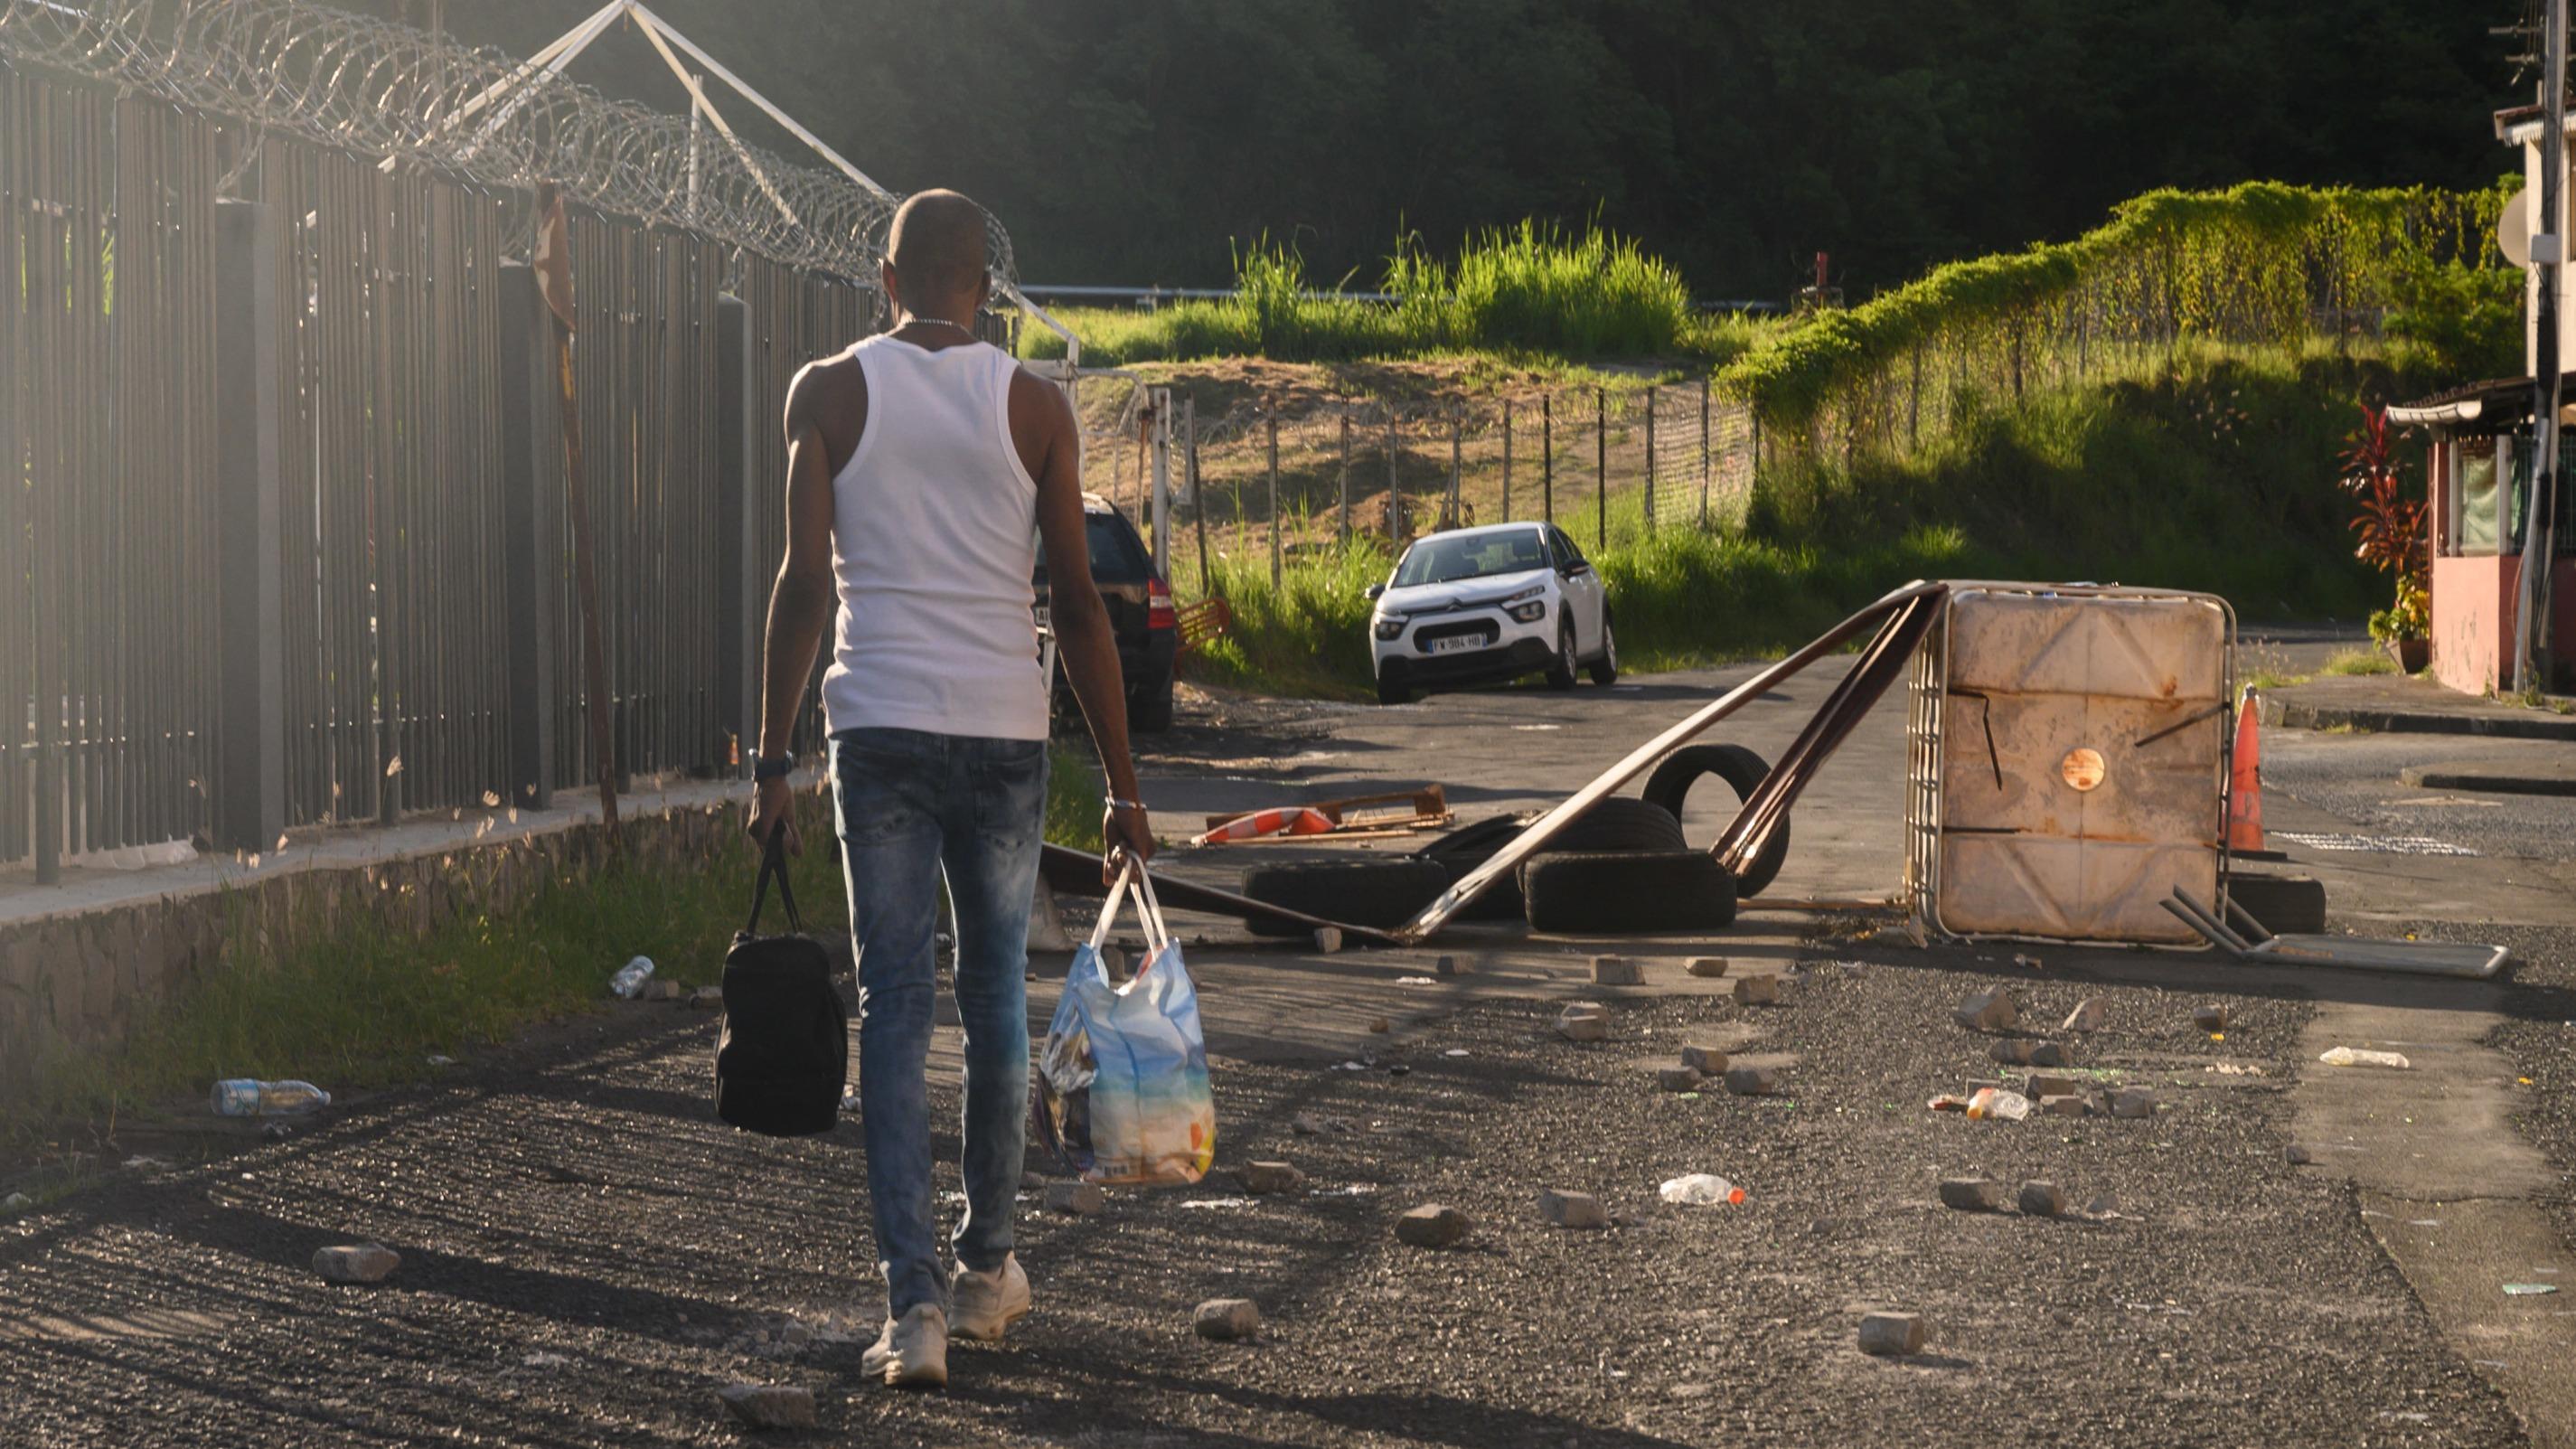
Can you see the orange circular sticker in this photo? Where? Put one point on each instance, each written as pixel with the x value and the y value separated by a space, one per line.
pixel 2082 768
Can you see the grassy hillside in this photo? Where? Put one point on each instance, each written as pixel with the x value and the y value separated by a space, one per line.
pixel 2216 474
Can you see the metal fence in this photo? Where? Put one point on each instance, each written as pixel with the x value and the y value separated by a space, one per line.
pixel 284 531
pixel 1277 479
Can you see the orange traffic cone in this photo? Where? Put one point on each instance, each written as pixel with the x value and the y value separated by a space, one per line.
pixel 2245 779
pixel 1287 819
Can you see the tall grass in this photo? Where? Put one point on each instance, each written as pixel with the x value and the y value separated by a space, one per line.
pixel 1531 289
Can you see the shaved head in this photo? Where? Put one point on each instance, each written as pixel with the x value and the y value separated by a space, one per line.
pixel 937 247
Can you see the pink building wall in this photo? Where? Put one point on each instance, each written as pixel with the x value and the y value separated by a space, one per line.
pixel 2474 605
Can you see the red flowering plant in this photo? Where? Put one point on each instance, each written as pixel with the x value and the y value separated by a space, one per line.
pixel 2389 527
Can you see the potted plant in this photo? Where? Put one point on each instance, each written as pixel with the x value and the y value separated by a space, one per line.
pixel 2390 526
pixel 2404 627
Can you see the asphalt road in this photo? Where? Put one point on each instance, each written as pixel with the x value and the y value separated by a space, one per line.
pixel 588 1256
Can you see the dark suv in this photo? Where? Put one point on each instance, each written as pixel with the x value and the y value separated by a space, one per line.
pixel 1140 615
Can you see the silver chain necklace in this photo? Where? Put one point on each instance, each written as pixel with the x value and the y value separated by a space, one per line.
pixel 940 322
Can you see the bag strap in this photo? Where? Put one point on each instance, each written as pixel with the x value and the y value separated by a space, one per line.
pixel 1149 914
pixel 773 862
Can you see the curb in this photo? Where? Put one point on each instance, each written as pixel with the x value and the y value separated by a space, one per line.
pixel 2452 777
pixel 2296 715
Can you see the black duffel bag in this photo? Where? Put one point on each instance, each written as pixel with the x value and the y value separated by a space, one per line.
pixel 783 1054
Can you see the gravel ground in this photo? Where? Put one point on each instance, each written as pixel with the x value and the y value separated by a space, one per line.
pixel 588 1257
pixel 2539 1033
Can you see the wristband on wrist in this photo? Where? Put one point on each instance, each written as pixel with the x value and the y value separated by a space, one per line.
pixel 1116 804
pixel 772 767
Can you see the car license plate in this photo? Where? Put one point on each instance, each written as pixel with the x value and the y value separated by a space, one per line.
pixel 1453 646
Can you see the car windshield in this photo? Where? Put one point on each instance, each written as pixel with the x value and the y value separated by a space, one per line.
pixel 1117 554
pixel 1447 558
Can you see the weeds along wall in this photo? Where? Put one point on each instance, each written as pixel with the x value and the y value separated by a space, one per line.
pixel 2261 264
pixel 284 519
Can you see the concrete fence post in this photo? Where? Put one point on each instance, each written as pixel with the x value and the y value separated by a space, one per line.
pixel 250 794
pixel 532 463
pixel 741 583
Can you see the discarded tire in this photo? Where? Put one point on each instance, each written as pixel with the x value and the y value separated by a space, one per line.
pixel 1622 891
pixel 1378 893
pixel 1616 823
pixel 1743 771
pixel 2286 904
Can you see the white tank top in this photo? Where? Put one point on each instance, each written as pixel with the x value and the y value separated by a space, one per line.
pixel 934 539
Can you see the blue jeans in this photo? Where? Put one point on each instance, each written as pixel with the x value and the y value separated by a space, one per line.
pixel 908 804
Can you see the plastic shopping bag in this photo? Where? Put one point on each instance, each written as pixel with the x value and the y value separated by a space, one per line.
pixel 1121 1093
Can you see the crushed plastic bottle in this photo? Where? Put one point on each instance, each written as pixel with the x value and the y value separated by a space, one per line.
pixel 1701 1189
pixel 630 978
pixel 244 1097
pixel 1991 1102
pixel 2347 1057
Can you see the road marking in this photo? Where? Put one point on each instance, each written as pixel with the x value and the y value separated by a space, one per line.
pixel 2372 844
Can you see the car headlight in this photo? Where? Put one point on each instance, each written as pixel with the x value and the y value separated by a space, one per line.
pixel 1390 626
pixel 1529 613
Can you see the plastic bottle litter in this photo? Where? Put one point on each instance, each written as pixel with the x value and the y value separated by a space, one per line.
pixel 1989 1102
pixel 243 1097
pixel 2347 1057
pixel 630 978
pixel 1701 1189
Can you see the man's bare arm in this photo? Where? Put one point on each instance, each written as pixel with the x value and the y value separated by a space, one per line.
pixel 800 603
pixel 1080 620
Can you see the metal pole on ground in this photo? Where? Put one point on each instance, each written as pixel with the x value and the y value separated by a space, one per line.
pixel 2531 620
pixel 1601 467
pixel 1273 421
pixel 1198 500
pixel 1345 526
pixel 1651 401
pixel 1547 456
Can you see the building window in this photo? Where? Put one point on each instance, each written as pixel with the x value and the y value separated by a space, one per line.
pixel 2475 500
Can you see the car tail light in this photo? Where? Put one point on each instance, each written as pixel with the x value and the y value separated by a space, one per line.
pixel 1158 605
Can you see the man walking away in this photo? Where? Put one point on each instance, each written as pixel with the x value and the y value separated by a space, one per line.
pixel 924 469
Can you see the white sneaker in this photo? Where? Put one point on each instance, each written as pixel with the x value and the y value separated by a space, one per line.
pixel 985 1305
pixel 912 1352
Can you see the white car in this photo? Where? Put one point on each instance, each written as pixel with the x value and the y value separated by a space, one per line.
pixel 1488 605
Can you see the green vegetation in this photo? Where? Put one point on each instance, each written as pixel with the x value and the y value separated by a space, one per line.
pixel 1074 796
pixel 2251 265
pixel 2216 474
pixel 1531 291
pixel 2359 662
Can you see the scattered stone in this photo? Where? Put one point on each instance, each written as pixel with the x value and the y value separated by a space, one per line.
pixel 1380 1026
pixel 661 991
pixel 1753 1081
pixel 1583 1022
pixel 1888 1334
pixel 769 1406
pixel 707 998
pixel 2212 1019
pixel 2299 1156
pixel 1446 966
pixel 1972 1194
pixel 1706 966
pixel 1328 939
pixel 2044 1085
pixel 1572 1209
pixel 371 1263
pixel 1228 1319
pixel 2042 1199
pixel 2101 1207
pixel 1989 1011
pixel 1306 1124
pixel 1763 990
pixel 1033 1182
pixel 2030 962
pixel 2067 1104
pixel 1269 1177
pixel 1617 971
pixel 1708 1060
pixel 1076 1199
pixel 2090 1014
pixel 796 1335
pixel 2133 1102
pixel 1678 1079
pixel 1432 1225
pixel 2016 1052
